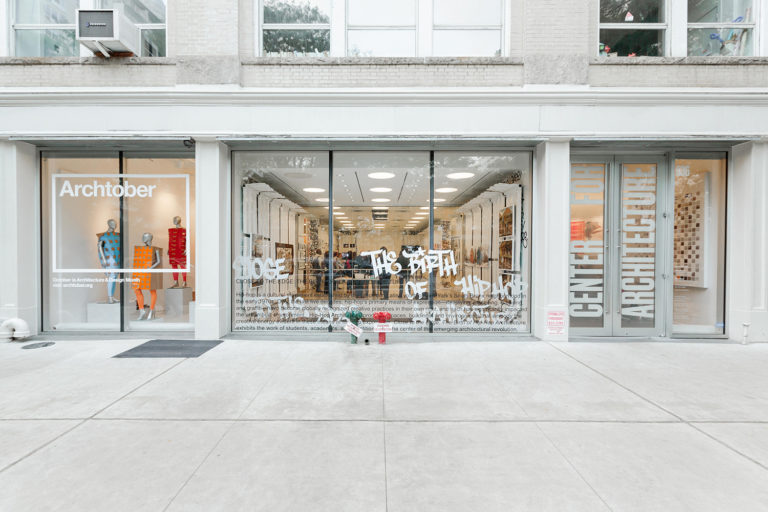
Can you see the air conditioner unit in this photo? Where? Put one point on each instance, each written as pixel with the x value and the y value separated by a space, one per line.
pixel 107 31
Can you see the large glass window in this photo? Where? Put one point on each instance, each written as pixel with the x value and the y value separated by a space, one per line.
pixel 44 28
pixel 370 28
pixel 720 27
pixel 699 246
pixel 113 238
pixel 296 27
pixel 295 268
pixel 631 28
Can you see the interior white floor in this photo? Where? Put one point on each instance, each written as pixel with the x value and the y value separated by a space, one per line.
pixel 296 425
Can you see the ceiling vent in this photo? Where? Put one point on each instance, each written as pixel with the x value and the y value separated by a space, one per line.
pixel 108 32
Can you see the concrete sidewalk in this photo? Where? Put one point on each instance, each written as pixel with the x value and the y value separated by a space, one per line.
pixel 315 426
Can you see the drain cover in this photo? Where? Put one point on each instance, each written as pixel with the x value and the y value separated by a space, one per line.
pixel 39 345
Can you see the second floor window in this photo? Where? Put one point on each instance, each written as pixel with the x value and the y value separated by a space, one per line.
pixel 630 28
pixel 46 28
pixel 373 28
pixel 721 27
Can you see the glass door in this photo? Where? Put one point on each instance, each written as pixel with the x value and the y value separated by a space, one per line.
pixel 615 269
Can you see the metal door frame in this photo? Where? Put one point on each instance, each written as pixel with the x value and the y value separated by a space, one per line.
pixel 612 232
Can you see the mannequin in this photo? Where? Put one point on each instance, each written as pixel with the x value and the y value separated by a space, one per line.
pixel 148 257
pixel 108 247
pixel 177 251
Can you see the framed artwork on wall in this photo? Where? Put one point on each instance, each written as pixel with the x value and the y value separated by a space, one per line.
pixel 285 251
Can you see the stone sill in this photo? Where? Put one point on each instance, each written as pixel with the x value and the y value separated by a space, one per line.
pixel 668 61
pixel 87 61
pixel 380 61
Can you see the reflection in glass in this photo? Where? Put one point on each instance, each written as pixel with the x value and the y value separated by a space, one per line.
pixel 482 224
pixel 306 42
pixel 45 43
pixel 281 268
pixel 466 43
pixel 77 235
pixel 723 41
pixel 43 12
pixel 153 42
pixel 139 11
pixel 720 11
pixel 632 43
pixel 378 221
pixel 461 12
pixel 586 260
pixel 699 246
pixel 632 11
pixel 378 13
pixel 297 11
pixel 381 43
pixel 638 245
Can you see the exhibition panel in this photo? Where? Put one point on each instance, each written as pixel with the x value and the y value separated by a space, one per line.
pixel 117 229
pixel 438 241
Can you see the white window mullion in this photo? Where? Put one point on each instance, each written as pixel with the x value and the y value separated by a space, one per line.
pixel 506 24
pixel 424 27
pixel 677 30
pixel 338 28
pixel 761 29
pixel 5 29
pixel 87 4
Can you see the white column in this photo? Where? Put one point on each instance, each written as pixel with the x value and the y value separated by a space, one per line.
pixel 551 228
pixel 212 268
pixel 19 233
pixel 747 235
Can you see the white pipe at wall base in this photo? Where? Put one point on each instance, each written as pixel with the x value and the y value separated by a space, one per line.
pixel 15 328
pixel 745 338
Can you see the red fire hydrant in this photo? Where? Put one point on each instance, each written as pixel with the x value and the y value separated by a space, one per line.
pixel 381 317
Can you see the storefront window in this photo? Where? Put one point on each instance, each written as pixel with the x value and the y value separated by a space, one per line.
pixel 482 225
pixel 469 273
pixel 699 246
pixel 112 238
pixel 280 241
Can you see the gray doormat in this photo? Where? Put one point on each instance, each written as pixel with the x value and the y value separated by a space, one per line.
pixel 171 348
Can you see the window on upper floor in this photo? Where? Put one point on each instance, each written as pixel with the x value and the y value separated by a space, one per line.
pixel 721 27
pixel 677 28
pixel 373 28
pixel 631 28
pixel 43 28
pixel 46 28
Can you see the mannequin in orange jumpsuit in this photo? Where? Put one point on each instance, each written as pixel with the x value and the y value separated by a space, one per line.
pixel 147 257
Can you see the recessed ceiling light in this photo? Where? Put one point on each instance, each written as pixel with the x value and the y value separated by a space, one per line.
pixel 423 207
pixel 381 175
pixel 380 200
pixel 422 214
pixel 313 190
pixel 438 200
pixel 322 199
pixel 460 175
pixel 444 190
pixel 380 189
pixel 335 207
pixel 380 208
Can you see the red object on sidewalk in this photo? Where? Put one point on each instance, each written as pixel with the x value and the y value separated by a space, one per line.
pixel 381 317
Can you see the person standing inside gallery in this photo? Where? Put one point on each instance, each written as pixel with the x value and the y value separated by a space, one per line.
pixel 384 277
pixel 317 270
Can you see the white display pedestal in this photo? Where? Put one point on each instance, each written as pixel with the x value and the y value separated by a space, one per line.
pixel 102 313
pixel 176 299
pixel 192 312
